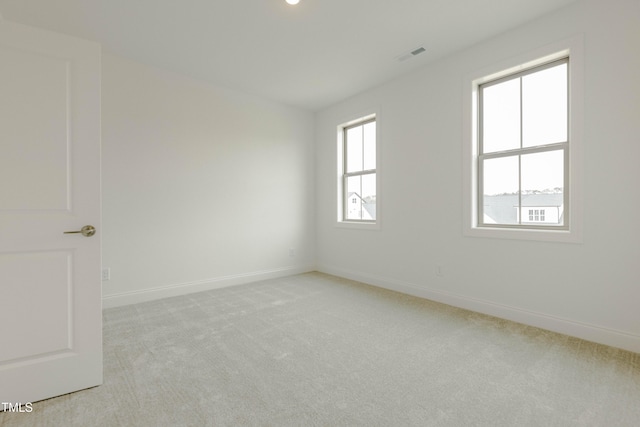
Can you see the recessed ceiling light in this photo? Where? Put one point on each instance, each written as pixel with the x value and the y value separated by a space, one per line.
pixel 293 1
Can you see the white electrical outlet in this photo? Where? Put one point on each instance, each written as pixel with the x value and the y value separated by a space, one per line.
pixel 292 252
pixel 106 274
pixel 439 271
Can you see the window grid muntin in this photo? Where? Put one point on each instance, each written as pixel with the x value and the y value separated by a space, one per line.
pixel 564 146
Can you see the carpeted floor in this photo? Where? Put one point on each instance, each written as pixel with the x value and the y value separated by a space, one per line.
pixel 316 350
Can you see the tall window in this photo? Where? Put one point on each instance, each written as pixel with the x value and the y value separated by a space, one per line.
pixel 523 148
pixel 359 171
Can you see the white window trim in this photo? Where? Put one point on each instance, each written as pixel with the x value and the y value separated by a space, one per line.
pixel 573 48
pixel 339 195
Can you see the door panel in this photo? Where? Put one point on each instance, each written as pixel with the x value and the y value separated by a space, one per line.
pixel 45 335
pixel 49 183
pixel 34 135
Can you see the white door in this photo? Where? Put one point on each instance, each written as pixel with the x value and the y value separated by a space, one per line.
pixel 50 284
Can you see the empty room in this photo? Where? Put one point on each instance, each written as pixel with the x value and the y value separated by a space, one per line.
pixel 319 213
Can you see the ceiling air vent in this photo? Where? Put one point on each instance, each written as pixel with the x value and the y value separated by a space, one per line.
pixel 415 52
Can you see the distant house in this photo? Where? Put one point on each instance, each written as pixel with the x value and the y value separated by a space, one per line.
pixel 537 208
pixel 359 208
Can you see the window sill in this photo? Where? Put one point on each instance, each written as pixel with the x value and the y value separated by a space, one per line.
pixel 355 225
pixel 546 235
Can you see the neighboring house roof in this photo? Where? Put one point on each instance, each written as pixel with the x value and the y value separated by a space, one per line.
pixel 543 199
pixel 371 209
pixel 501 209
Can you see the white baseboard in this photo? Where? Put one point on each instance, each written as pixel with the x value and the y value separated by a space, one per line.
pixel 598 334
pixel 135 297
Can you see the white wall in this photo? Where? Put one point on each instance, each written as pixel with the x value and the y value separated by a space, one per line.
pixel 591 289
pixel 202 186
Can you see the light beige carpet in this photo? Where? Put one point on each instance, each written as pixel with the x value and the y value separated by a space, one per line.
pixel 315 350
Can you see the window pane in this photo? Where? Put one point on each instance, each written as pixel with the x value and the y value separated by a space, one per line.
pixel 354 149
pixel 543 172
pixel 500 198
pixel 369 196
pixel 543 186
pixel 501 116
pixel 353 202
pixel 544 107
pixel 370 146
pixel 501 176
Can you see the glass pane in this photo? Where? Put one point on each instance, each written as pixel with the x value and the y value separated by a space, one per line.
pixel 369 196
pixel 543 187
pixel 501 176
pixel 501 116
pixel 500 191
pixel 544 106
pixel 370 146
pixel 354 149
pixel 353 198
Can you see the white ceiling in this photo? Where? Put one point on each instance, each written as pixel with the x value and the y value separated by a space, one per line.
pixel 310 55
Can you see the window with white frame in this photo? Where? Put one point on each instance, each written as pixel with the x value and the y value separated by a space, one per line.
pixel 523 127
pixel 523 148
pixel 358 171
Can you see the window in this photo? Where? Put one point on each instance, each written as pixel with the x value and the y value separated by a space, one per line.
pixel 536 215
pixel 358 178
pixel 523 146
pixel 522 150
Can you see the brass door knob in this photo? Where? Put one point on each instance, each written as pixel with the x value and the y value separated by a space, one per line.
pixel 86 231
